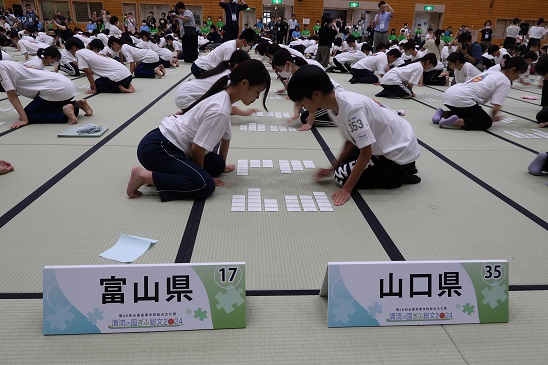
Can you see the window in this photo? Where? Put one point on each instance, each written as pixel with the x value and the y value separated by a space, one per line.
pixel 83 11
pixel 49 8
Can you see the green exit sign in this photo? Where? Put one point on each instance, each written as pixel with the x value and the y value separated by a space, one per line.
pixel 429 7
pixel 277 1
pixel 354 5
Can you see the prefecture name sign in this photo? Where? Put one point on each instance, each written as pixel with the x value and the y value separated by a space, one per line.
pixel 143 298
pixel 416 293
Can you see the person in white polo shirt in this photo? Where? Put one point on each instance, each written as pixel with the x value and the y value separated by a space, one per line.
pixel 464 100
pixel 380 147
pixel 113 76
pixel 536 33
pixel 247 39
pixel 51 93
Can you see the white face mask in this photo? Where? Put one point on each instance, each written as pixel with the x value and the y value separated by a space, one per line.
pixel 286 74
pixel 246 47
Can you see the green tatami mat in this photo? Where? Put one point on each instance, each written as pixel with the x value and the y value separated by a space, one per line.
pixel 280 330
pixel 277 246
pixel 449 217
pixel 522 341
pixel 34 165
pixel 82 216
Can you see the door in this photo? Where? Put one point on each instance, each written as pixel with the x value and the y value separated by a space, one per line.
pixel 248 17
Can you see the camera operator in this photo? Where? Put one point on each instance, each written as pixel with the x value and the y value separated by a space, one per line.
pixel 472 51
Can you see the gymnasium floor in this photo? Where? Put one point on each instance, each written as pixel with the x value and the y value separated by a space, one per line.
pixel 65 203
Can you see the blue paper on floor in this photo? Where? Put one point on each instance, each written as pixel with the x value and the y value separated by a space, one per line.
pixel 128 248
pixel 73 132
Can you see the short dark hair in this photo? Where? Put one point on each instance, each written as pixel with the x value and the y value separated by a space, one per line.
pixel 541 67
pixel 381 3
pixel 180 5
pixel 306 80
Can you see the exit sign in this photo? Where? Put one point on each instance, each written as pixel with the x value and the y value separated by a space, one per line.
pixel 277 1
pixel 354 5
pixel 429 7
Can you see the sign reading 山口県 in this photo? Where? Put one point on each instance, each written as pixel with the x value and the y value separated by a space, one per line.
pixel 416 293
pixel 143 298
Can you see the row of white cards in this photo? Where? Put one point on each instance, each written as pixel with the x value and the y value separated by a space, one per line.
pixel 307 202
pixel 277 115
pixel 536 134
pixel 277 97
pixel 243 166
pixel 6 109
pixel 507 120
pixel 435 94
pixel 255 203
pixel 254 127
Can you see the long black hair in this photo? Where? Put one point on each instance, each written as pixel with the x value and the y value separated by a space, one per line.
pixel 281 57
pixel 251 70
pixel 51 51
pixel 238 56
pixel 306 80
pixel 517 62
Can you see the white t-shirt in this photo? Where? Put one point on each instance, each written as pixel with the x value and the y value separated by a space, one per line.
pixel 489 86
pixel 35 62
pixel 101 66
pixel 218 55
pixel 418 55
pixel 30 82
pixel 205 124
pixel 103 37
pixel 467 72
pixel 291 50
pixel 113 29
pixel 31 47
pixel 512 31
pixel 85 40
pixel 311 49
pixel 44 38
pixel 313 62
pixel 409 74
pixel 363 122
pixel 192 90
pixel 6 56
pixel 537 32
pixel 66 57
pixel 138 55
pixel 376 62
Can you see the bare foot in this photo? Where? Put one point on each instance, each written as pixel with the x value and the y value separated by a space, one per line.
pixel 83 104
pixel 19 124
pixel 130 89
pixel 5 167
pixel 162 68
pixel 68 110
pixel 139 177
pixel 158 72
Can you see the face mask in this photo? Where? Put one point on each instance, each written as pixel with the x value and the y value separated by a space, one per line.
pixel 285 73
pixel 246 47
pixel 487 26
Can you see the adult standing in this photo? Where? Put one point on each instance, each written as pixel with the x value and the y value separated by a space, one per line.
pixel 232 15
pixel 325 40
pixel 31 19
pixel 536 33
pixel 486 34
pixel 382 22
pixel 187 29
pixel 293 24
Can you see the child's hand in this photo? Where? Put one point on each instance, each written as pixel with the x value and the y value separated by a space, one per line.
pixel 305 127
pixel 340 197
pixel 322 174
pixel 229 168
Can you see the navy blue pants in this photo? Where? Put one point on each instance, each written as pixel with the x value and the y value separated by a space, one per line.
pixel 106 85
pixel 146 70
pixel 44 111
pixel 196 71
pixel 364 76
pixel 174 174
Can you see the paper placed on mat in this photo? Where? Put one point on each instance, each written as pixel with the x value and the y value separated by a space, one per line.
pixel 128 248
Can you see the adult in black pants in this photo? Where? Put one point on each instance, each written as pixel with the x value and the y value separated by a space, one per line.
pixel 232 10
pixel 326 36
pixel 541 68
pixel 187 28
